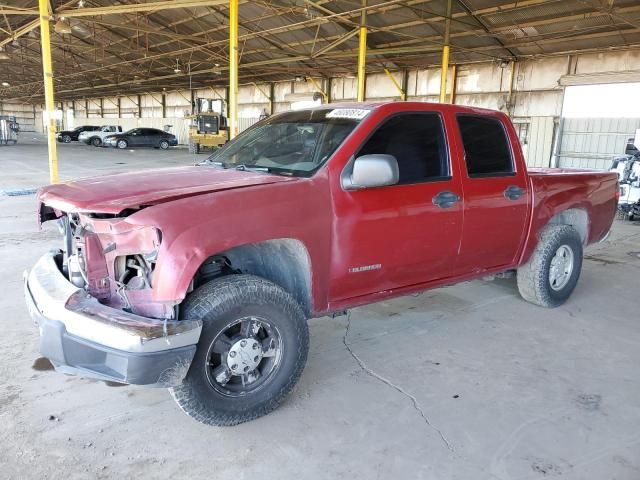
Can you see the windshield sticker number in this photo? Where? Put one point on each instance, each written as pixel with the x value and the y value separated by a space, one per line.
pixel 350 113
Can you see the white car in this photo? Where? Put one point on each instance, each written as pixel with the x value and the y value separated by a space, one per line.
pixel 96 138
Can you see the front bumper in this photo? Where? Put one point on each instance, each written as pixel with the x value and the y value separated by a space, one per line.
pixel 81 336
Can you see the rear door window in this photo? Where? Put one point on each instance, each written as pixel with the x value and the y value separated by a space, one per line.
pixel 486 146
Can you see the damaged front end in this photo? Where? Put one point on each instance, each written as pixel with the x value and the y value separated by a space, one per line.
pixel 93 303
pixel 114 261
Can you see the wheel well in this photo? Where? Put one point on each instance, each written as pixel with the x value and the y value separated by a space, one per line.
pixel 284 262
pixel 577 218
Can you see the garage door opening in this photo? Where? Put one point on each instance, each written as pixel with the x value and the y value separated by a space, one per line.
pixel 598 120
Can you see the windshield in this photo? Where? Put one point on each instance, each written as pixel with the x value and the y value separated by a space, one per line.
pixel 292 143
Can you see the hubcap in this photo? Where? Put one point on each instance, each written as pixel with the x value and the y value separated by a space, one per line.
pixel 561 268
pixel 243 356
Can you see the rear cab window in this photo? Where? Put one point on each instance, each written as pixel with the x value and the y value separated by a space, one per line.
pixel 487 150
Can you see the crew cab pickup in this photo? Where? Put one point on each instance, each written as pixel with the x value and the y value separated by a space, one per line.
pixel 201 278
pixel 96 138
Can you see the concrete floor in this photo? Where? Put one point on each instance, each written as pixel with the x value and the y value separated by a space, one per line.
pixel 467 382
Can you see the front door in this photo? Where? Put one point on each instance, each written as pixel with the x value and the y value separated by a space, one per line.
pixel 404 234
pixel 495 195
pixel 135 137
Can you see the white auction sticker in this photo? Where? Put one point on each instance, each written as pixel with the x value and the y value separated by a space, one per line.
pixel 351 113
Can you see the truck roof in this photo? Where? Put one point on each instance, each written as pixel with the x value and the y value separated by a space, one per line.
pixel 405 105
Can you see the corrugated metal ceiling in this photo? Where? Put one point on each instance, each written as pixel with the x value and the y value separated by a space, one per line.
pixel 137 52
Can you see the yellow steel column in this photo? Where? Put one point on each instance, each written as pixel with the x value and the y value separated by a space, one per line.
pixel 454 78
pixel 445 56
pixel 362 53
pixel 50 106
pixel 233 68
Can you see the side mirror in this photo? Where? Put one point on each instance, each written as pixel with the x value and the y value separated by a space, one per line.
pixel 369 171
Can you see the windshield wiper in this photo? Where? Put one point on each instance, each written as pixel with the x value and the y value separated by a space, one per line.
pixel 248 168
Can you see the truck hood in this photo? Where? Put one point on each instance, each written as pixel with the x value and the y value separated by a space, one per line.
pixel 114 193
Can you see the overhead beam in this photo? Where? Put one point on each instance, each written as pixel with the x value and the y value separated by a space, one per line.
pixel 138 7
pixel 17 11
pixel 23 30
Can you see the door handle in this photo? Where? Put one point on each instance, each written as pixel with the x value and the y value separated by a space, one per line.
pixel 513 192
pixel 445 199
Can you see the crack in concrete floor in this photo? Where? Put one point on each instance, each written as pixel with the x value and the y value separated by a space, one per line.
pixel 389 383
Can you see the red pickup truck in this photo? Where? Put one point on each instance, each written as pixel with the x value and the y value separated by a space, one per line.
pixel 201 278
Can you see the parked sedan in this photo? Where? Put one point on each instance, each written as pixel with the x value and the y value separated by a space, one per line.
pixel 68 136
pixel 142 137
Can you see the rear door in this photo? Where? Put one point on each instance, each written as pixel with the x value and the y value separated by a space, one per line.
pixel 495 194
pixel 152 137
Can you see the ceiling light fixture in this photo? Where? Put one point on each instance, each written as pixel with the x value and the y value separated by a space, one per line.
pixel 4 55
pixel 80 3
pixel 6 84
pixel 177 69
pixel 62 26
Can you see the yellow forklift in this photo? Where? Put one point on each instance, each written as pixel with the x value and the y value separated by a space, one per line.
pixel 208 128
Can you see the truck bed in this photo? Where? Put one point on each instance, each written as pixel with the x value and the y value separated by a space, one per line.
pixel 590 191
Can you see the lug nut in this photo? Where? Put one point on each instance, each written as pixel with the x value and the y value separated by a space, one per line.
pixel 232 354
pixel 255 359
pixel 246 369
pixel 234 366
pixel 255 346
pixel 243 343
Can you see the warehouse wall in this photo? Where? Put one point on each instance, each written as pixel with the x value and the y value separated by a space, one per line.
pixel 536 101
pixel 25 114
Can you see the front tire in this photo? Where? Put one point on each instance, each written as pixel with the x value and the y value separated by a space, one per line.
pixel 163 144
pixel 251 353
pixel 552 272
pixel 66 139
pixel 122 144
pixel 96 141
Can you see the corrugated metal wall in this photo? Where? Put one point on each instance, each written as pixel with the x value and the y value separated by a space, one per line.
pixel 540 141
pixel 593 142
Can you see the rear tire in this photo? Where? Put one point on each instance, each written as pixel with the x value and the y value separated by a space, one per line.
pixel 96 141
pixel 552 272
pixel 222 387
